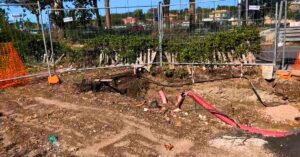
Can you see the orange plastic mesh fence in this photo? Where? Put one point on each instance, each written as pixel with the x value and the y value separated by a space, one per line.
pixel 11 66
pixel 296 65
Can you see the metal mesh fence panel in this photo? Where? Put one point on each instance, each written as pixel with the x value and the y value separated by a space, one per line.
pixel 210 31
pixel 126 36
pixel 21 25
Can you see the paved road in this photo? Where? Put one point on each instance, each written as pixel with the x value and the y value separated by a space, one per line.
pixel 267 54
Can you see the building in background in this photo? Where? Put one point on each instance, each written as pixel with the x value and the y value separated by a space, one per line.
pixel 218 15
pixel 130 21
pixel 295 6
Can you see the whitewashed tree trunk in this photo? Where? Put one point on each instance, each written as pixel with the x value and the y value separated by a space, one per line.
pixel 230 58
pixel 170 60
pixel 101 58
pixel 251 58
pixel 244 59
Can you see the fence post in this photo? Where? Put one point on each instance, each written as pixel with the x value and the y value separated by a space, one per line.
pixel 239 12
pixel 277 29
pixel 44 38
pixel 50 38
pixel 247 11
pixel 160 32
pixel 284 38
pixel 275 35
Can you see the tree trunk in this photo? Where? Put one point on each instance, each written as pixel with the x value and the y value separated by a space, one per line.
pixel 96 11
pixel 107 15
pixel 57 16
pixel 38 21
pixel 166 13
pixel 192 17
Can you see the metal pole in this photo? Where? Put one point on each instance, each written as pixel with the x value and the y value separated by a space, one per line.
pixel 247 11
pixel 218 64
pixel 44 39
pixel 50 37
pixel 280 14
pixel 284 38
pixel 278 25
pixel 125 7
pixel 19 4
pixel 160 30
pixel 239 12
pixel 275 35
pixel 67 70
pixel 214 12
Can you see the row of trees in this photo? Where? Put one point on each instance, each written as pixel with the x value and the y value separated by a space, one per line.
pixel 192 10
pixel 267 5
pixel 57 15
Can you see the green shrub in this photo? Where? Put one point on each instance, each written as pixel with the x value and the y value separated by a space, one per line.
pixel 181 73
pixel 240 40
pixel 169 73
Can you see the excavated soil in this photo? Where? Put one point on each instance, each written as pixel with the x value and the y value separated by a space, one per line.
pixel 107 123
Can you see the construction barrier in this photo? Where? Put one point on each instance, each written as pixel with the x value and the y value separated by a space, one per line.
pixel 11 66
pixel 296 65
pixel 291 74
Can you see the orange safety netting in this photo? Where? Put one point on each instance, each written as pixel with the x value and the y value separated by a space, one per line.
pixel 296 65
pixel 11 66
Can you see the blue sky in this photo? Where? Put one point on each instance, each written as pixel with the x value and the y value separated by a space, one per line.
pixel 180 4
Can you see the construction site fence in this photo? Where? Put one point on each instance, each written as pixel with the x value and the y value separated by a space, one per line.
pixel 69 32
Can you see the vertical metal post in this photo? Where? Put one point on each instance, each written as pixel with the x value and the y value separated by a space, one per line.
pixel 239 12
pixel 44 38
pixel 284 38
pixel 214 23
pixel 278 23
pixel 247 11
pixel 50 38
pixel 275 35
pixel 280 14
pixel 160 31
pixel 214 11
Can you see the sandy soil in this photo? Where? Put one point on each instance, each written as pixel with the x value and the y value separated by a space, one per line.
pixel 111 124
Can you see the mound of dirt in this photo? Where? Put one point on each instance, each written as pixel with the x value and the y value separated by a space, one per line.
pixel 289 89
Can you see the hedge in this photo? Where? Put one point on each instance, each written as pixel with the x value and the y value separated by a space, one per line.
pixel 237 42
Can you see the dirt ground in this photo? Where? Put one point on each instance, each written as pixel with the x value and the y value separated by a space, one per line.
pixel 106 123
